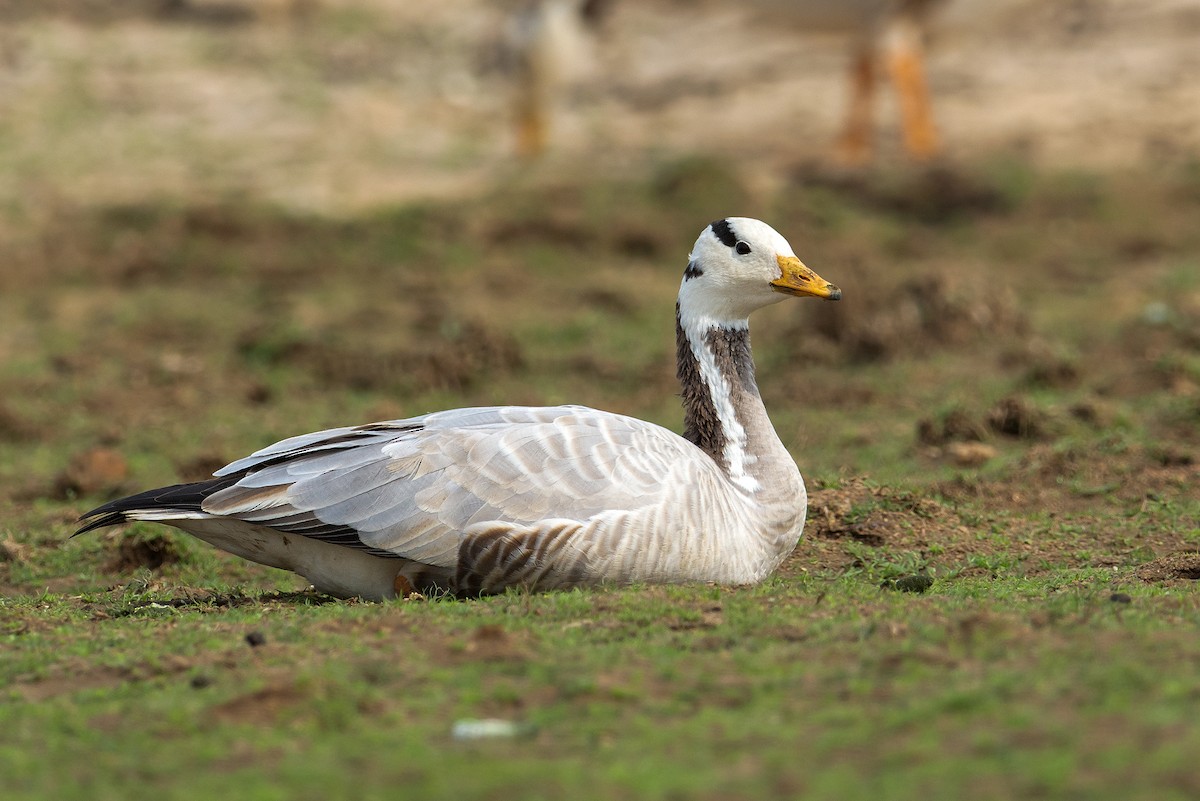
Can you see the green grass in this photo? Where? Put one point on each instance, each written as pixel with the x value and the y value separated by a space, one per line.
pixel 1052 654
pixel 827 688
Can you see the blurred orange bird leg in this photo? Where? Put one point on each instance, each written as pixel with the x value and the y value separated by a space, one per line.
pixel 532 122
pixel 885 35
pixel 906 67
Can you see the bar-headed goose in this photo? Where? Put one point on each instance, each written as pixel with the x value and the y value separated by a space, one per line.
pixel 472 501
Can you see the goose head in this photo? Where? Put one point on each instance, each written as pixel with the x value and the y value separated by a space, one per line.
pixel 739 265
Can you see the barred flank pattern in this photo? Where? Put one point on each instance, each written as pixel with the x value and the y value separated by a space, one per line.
pixel 508 556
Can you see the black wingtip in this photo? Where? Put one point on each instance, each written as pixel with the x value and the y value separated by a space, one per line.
pixel 184 497
pixel 110 519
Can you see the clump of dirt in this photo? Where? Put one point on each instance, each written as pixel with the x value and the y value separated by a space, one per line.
pixel 438 352
pixel 136 551
pixel 934 196
pixel 555 227
pixel 14 427
pixel 1183 566
pixel 1012 416
pixel 13 551
pixel 856 512
pixel 1047 370
pixel 916 582
pixel 936 311
pixel 1016 417
pixel 92 472
pixel 956 425
pixel 962 439
pixel 1173 455
pixel 1093 412
pixel 458 361
pixel 453 362
pixel 491 642
pixel 262 707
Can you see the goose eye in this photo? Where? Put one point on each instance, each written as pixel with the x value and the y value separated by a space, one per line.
pixel 742 248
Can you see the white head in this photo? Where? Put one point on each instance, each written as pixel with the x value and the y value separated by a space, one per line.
pixel 739 265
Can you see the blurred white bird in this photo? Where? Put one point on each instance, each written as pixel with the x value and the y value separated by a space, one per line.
pixel 550 43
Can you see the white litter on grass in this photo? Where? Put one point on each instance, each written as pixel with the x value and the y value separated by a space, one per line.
pixel 486 728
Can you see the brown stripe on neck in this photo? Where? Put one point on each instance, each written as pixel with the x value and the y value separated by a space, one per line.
pixel 731 346
pixel 731 352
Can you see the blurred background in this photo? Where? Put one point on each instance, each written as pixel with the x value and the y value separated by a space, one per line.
pixel 226 221
pixel 339 105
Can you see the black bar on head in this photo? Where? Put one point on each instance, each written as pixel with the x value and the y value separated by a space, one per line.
pixel 724 232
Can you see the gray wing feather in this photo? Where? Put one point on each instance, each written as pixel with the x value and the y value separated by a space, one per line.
pixel 413 487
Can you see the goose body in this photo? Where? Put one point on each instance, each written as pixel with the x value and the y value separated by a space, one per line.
pixel 472 501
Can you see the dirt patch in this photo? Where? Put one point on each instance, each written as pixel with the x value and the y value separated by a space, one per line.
pixel 263 707
pixel 857 526
pixel 938 195
pixel 452 362
pixel 14 427
pixel 73 682
pixel 439 353
pixel 936 312
pixel 1057 479
pixel 858 514
pixel 1176 567
pixel 73 676
pixel 1016 417
pixel 97 471
pixel 492 642
pixel 13 551
pixel 956 425
pixel 136 551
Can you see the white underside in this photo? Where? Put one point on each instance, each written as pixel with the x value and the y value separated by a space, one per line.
pixel 333 569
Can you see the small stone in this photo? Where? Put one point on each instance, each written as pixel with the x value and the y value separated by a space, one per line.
pixel 256 638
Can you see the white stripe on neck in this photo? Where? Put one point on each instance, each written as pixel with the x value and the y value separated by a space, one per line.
pixel 737 459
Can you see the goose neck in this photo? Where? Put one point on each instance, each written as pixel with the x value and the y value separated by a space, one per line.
pixel 723 411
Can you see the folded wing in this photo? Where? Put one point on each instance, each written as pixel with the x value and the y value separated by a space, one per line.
pixel 414 488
